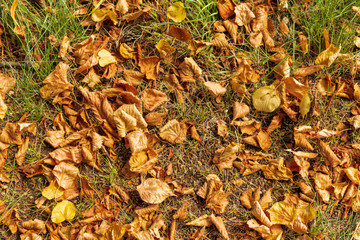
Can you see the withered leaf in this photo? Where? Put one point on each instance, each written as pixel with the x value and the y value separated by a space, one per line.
pixel 189 70
pixel 179 33
pixel 327 57
pixel 173 131
pixel 153 98
pixel 153 191
pixel 128 118
pixel 226 8
pixel 150 66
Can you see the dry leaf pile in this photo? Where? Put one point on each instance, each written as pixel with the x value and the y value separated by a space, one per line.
pixel 130 109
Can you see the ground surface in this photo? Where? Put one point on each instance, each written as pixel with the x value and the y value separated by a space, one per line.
pixel 289 173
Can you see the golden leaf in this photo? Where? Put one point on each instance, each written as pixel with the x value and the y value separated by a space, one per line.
pixel 356 10
pixel 128 118
pixel 155 118
pixel 249 197
pixel 52 191
pixel 64 210
pixel 295 87
pixel 100 15
pixel 266 99
pixel 176 12
pixel 150 66
pixel 353 174
pixel 105 58
pixel 153 98
pixel 164 48
pixel 153 191
pixel 305 104
pixel 282 213
pixel 126 51
pixel 327 57
pixel 305 71
pixel 116 231
pixel 173 132
pixel 277 172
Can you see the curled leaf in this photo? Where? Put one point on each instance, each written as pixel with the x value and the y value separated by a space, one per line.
pixel 266 99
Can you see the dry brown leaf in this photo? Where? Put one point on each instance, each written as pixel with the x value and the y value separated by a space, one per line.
pixel 249 197
pixel 154 191
pixel 263 230
pixel 197 46
pixel 64 47
pixel 133 77
pixel 57 84
pixel 173 132
pixel 277 172
pixel 135 15
pixel 136 140
pixel 305 71
pixel 260 215
pixel 20 155
pixel 232 29
pixel 202 221
pixel 301 140
pixel 181 213
pixel 216 90
pixel 143 161
pixel 243 14
pixel 295 87
pixel 128 118
pixel 150 66
pixel 219 40
pixel 264 140
pixel 179 33
pixel 66 175
pixel 275 123
pixel 326 86
pixel 303 42
pixel 226 8
pixel 266 199
pixel 155 118
pixel 222 129
pixel 91 78
pixel 153 98
pixel 122 6
pixel 327 57
pixel 224 157
pixel 255 39
pixel 219 224
pixel 260 22
pixel 244 73
pixel 87 188
pixel 284 28
pixel 330 156
pixel 240 110
pixel 356 10
pixel 189 70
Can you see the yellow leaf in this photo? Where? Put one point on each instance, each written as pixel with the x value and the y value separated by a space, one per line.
pixel 266 99
pixel 52 191
pixel 164 48
pixel 305 104
pixel 126 51
pixel 176 12
pixel 64 210
pixel 105 58
pixel 100 15
pixel 327 57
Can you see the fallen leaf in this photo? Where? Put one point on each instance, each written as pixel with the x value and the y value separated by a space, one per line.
pixel 219 40
pixel 150 66
pixel 128 118
pixel 216 90
pixel 232 29
pixel 135 15
pixel 64 47
pixel 240 110
pixel 154 191
pixel 122 6
pixel 179 33
pixel 57 83
pixel 266 99
pixel 260 215
pixel 295 88
pixel 264 140
pixel 181 212
pixel 66 175
pixel 126 51
pixel 164 47
pixel 284 28
pixel 305 105
pixel 173 131
pixel 176 12
pixel 91 78
pixel 155 118
pixel 202 221
pixel 327 57
pixel 331 158
pixel 219 224
pixel 243 14
pixel 304 43
pixel 64 210
pixel 100 15
pixel 189 70
pixel 52 191
pixel 249 197
pixel 197 46
pixel 226 8
pixel 153 98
